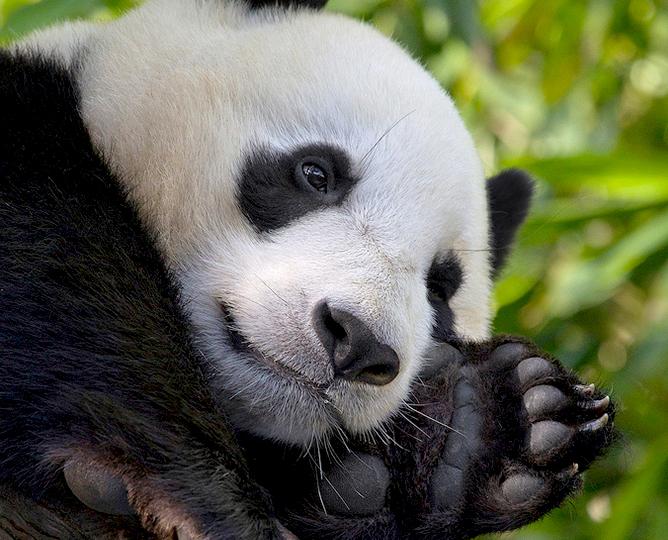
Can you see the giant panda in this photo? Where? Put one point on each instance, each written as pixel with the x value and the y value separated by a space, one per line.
pixel 236 233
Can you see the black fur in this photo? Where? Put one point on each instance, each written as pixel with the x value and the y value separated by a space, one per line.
pixel 313 4
pixel 443 280
pixel 271 196
pixel 509 197
pixel 95 358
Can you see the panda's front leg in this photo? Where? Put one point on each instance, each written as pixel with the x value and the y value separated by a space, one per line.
pixel 495 435
pixel 524 430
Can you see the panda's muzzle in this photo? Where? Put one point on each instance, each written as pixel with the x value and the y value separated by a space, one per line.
pixel 241 344
pixel 354 350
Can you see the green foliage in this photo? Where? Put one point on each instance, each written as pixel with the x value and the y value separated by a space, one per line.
pixel 18 17
pixel 575 91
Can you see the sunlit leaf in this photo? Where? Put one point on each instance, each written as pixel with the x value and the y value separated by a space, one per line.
pixel 583 284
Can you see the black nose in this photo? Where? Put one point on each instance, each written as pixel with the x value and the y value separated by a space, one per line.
pixel 355 352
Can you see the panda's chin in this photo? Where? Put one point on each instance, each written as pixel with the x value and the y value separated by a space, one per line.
pixel 266 398
pixel 275 403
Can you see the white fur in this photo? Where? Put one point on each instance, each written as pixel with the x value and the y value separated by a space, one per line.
pixel 63 42
pixel 177 92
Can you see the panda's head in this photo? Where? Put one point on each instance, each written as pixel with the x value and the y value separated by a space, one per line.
pixel 315 192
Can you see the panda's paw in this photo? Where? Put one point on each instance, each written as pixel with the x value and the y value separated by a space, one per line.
pixel 495 435
pixel 567 421
pixel 523 431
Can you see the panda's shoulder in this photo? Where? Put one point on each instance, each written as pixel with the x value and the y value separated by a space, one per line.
pixel 54 185
pixel 40 110
pixel 70 242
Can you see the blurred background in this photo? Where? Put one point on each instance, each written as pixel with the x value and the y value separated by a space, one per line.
pixel 575 91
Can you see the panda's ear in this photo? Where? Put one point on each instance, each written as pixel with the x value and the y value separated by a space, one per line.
pixel 312 4
pixel 509 197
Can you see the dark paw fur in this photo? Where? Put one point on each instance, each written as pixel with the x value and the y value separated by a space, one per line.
pixel 557 425
pixel 497 435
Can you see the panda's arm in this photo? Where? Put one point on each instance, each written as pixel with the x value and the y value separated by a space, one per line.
pixel 23 517
pixel 497 435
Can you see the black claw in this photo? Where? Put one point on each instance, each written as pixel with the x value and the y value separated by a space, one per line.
pixel 544 399
pixel 356 487
pixel 548 436
pixel 533 369
pixel 520 488
pixel 569 473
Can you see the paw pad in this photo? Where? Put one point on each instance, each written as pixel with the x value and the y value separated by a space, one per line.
pixel 533 369
pixel 357 486
pixel 548 436
pixel 574 406
pixel 544 399
pixel 97 488
pixel 520 488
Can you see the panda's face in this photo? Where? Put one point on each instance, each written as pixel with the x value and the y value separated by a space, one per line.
pixel 313 189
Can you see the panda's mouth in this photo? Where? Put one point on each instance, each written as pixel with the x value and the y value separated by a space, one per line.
pixel 271 399
pixel 242 345
pixel 237 339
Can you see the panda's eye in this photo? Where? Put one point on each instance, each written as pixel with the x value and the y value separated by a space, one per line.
pixel 315 174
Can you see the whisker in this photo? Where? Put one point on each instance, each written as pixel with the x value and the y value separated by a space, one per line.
pixel 485 250
pixel 242 390
pixel 434 420
pixel 424 384
pixel 422 404
pixel 337 492
pixel 418 439
pixel 385 134
pixel 387 438
pixel 322 502
pixel 254 302
pixel 405 417
pixel 272 290
pixel 317 446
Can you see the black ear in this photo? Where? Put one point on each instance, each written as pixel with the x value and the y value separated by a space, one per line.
pixel 509 197
pixel 312 4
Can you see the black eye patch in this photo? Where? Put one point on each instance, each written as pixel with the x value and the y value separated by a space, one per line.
pixel 444 278
pixel 276 189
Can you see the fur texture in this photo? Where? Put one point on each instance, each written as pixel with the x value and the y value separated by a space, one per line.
pixel 509 196
pixel 203 109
